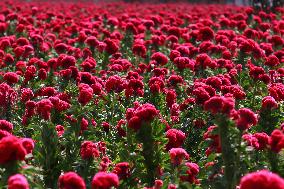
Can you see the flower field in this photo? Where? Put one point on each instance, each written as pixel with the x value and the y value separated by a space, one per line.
pixel 150 96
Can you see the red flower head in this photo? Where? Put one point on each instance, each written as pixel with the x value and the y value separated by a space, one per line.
pixel 11 78
pixel 11 149
pixel 6 126
pixel 85 94
pixel 115 83
pixel 276 140
pixel 104 180
pixel 177 155
pixel 175 137
pixel 246 118
pixel 262 180
pixel 160 58
pixel 28 144
pixel 71 180
pixel 269 103
pixel 122 170
pixel 191 173
pixel 89 150
pixel 143 114
pixel 18 181
pixel 205 33
pixel 219 104
pixel 272 60
pixel 111 46
pixel 44 108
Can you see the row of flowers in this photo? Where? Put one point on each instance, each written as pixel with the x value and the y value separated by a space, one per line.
pixel 117 95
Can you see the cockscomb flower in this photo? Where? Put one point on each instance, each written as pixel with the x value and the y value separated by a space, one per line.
pixel 43 108
pixel 103 180
pixel 177 155
pixel 276 140
pixel 160 58
pixel 6 126
pixel 142 114
pixel 262 180
pixel 11 149
pixel 220 104
pixel 85 94
pixel 175 137
pixel 122 170
pixel 18 181
pixel 269 103
pixel 246 118
pixel 71 180
pixel 89 150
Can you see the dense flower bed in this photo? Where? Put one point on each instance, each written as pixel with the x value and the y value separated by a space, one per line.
pixel 140 96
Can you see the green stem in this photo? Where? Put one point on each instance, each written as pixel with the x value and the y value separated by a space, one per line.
pixel 273 161
pixel 227 152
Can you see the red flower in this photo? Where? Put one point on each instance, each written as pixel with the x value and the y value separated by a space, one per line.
pixel 71 180
pixel 6 126
pixel 104 180
pixel 18 181
pixel 115 83
pixel 11 149
pixel 218 104
pixel 262 180
pixel 11 77
pixel 246 118
pixel 175 137
pixel 111 46
pixel 160 58
pixel 44 108
pixel 177 155
pixel 59 130
pixel 28 144
pixel 205 33
pixel 89 150
pixel 269 103
pixel 143 114
pixel 85 94
pixel 122 170
pixel 272 60
pixel 191 172
pixel 276 140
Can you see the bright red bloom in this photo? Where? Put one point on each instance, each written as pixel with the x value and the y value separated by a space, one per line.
pixel 143 114
pixel 177 155
pixel 218 104
pixel 85 94
pixel 104 180
pixel 11 149
pixel 28 144
pixel 276 140
pixel 269 103
pixel 246 118
pixel 44 108
pixel 122 170
pixel 11 77
pixel 6 126
pixel 18 181
pixel 89 150
pixel 191 172
pixel 175 137
pixel 262 180
pixel 160 58
pixel 71 180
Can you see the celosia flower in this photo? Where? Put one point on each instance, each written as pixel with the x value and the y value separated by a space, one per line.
pixel 71 180
pixel 262 180
pixel 18 181
pixel 103 180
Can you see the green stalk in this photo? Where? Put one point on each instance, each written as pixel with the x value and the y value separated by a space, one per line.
pixel 227 152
